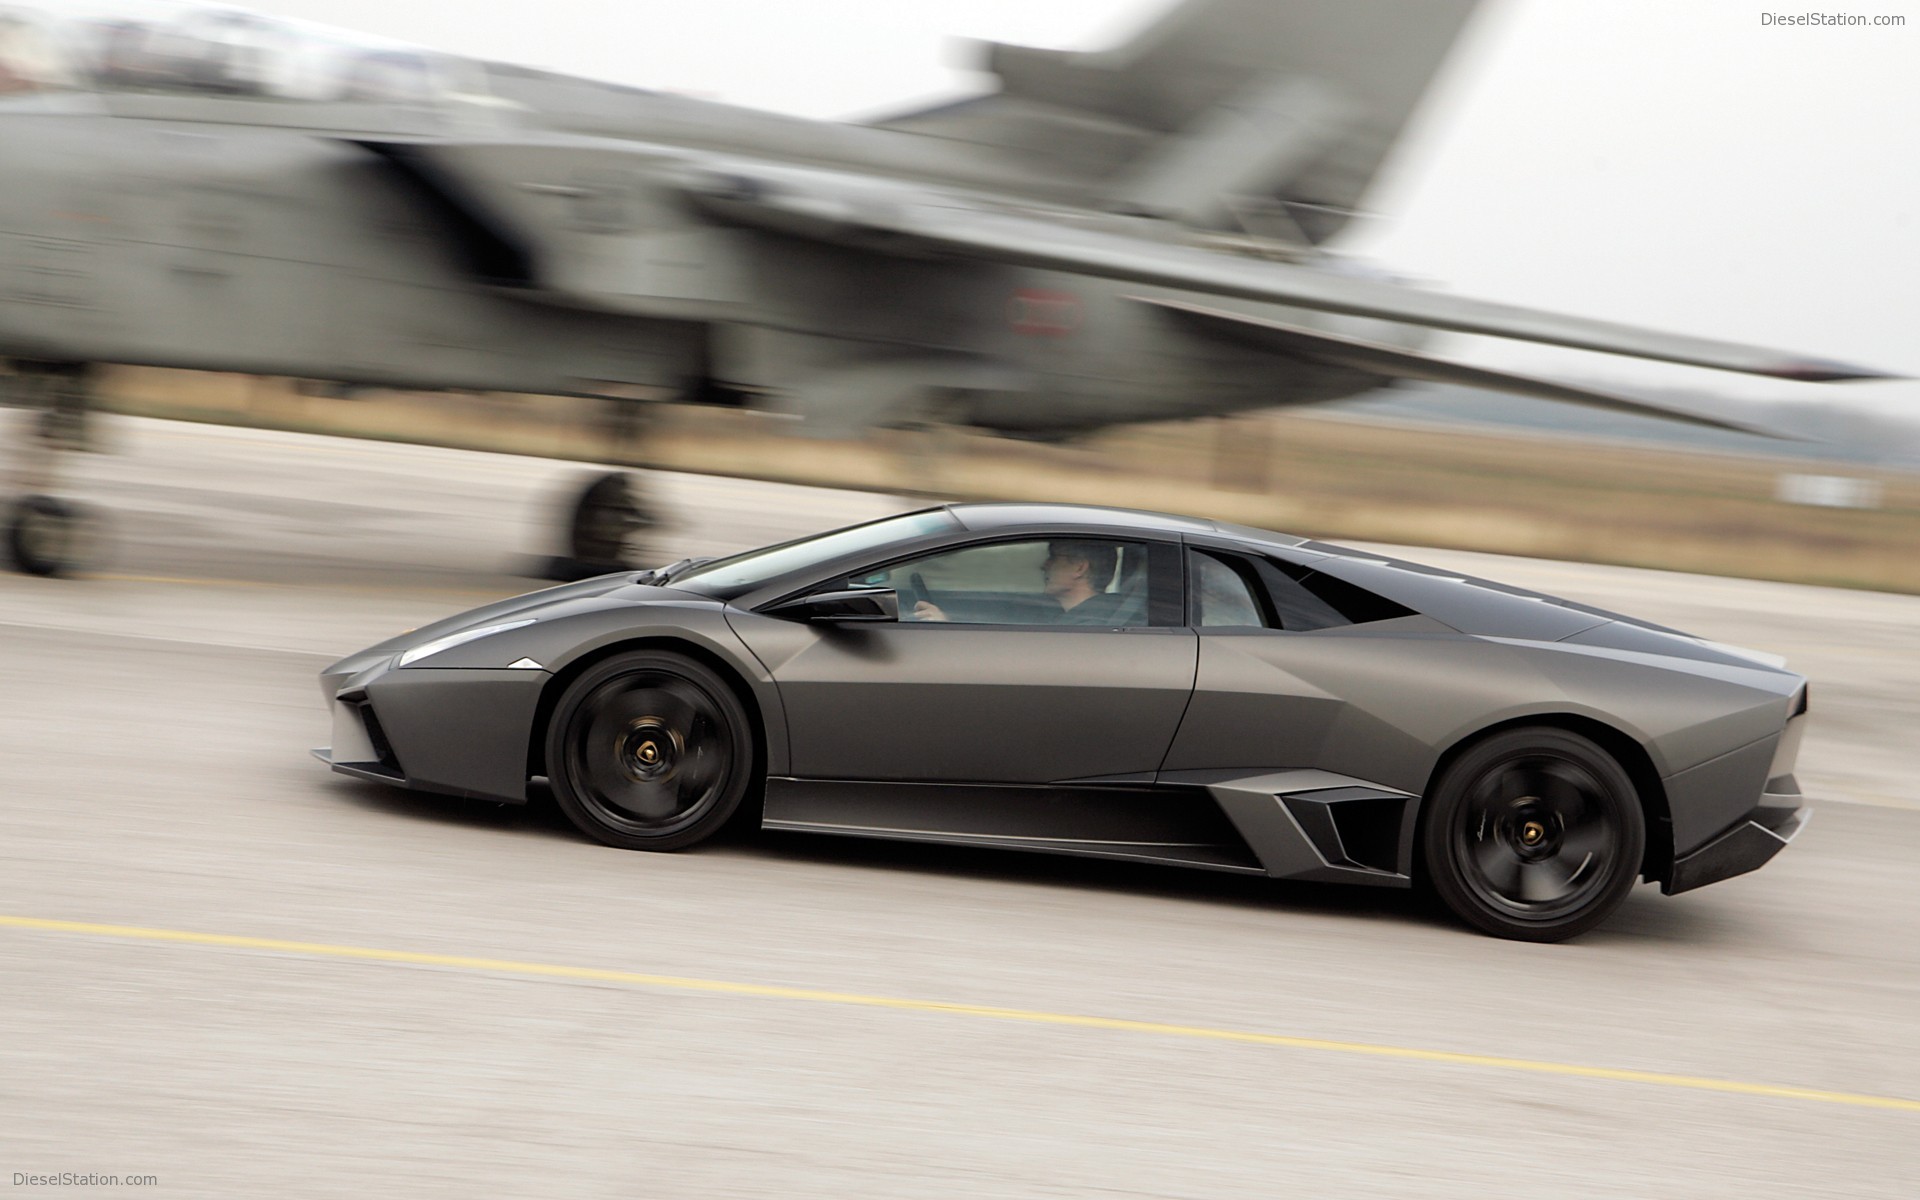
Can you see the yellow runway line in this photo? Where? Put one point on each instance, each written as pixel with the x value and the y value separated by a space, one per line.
pixel 182 580
pixel 510 967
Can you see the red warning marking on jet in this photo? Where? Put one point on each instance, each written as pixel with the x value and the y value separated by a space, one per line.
pixel 1042 312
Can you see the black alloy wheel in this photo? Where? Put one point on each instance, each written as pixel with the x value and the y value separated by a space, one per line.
pixel 1534 834
pixel 649 750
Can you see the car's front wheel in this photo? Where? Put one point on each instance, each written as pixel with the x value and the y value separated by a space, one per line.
pixel 1535 834
pixel 649 750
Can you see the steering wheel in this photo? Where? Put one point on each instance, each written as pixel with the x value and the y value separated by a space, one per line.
pixel 917 590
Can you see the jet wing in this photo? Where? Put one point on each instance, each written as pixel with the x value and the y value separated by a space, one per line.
pixel 1392 362
pixel 894 218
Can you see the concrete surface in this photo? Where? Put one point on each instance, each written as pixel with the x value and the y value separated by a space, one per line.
pixel 154 724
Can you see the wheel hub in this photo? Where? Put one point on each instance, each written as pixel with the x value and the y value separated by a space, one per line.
pixel 649 751
pixel 1531 829
pixel 1540 836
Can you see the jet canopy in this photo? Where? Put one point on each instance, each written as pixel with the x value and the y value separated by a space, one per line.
pixel 160 47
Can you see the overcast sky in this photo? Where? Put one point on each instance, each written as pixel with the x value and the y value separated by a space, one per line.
pixel 1668 162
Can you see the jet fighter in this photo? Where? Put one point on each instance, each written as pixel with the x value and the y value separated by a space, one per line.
pixel 1132 234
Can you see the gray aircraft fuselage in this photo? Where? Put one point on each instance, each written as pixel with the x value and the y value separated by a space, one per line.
pixel 232 234
pixel 1113 236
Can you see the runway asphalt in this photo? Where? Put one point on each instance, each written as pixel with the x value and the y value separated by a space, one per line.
pixel 222 966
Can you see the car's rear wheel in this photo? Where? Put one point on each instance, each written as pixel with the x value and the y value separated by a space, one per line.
pixel 649 750
pixel 1535 834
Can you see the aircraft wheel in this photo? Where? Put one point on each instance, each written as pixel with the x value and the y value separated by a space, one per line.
pixel 47 535
pixel 606 516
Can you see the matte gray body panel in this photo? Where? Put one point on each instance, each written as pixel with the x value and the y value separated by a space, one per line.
pixel 462 732
pixel 1684 711
pixel 573 625
pixel 1465 603
pixel 1631 635
pixel 1379 708
pixel 1385 708
pixel 959 703
pixel 1014 515
pixel 1709 798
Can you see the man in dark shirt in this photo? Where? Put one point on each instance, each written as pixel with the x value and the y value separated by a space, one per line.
pixel 1077 574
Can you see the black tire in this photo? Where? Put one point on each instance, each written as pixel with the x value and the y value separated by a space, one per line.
pixel 649 750
pixel 1534 834
pixel 46 535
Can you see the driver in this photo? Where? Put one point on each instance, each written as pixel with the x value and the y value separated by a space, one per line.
pixel 1076 575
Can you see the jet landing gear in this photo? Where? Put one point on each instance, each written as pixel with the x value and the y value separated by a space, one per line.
pixel 44 534
pixel 602 528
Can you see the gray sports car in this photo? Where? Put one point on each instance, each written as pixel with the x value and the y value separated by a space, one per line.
pixel 1119 684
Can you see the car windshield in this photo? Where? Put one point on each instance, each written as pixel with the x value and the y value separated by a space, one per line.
pixel 731 576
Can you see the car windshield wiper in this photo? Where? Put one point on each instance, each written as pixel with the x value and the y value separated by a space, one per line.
pixel 662 575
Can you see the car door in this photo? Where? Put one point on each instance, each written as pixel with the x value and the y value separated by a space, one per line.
pixel 1256 705
pixel 1003 685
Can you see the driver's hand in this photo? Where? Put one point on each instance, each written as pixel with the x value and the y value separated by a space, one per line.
pixel 927 610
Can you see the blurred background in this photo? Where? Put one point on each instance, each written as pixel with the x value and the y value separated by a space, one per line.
pixel 1429 466
pixel 227 969
pixel 1692 170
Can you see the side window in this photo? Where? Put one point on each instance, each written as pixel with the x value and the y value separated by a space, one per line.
pixel 1229 591
pixel 1062 581
pixel 1223 596
pixel 1306 599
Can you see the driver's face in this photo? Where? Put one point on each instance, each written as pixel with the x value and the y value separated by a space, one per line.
pixel 1062 572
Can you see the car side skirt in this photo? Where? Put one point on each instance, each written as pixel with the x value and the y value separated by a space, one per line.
pixel 1311 833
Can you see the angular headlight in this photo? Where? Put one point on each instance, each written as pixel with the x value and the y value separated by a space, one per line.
pixel 451 640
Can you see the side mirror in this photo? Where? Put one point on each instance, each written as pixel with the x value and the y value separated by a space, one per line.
pixel 864 604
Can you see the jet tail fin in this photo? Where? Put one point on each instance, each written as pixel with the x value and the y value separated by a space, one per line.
pixel 1286 103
